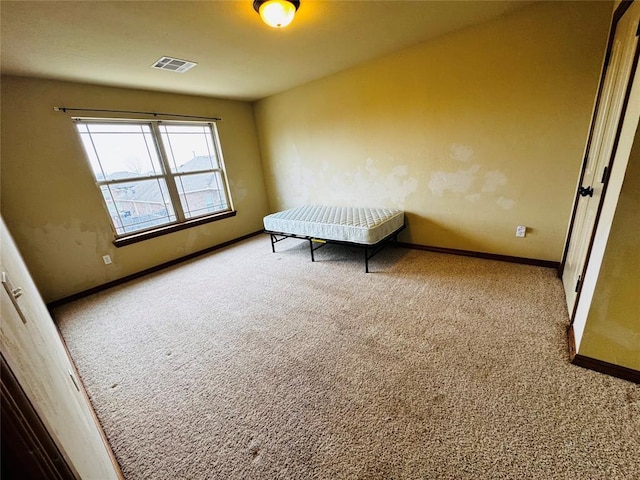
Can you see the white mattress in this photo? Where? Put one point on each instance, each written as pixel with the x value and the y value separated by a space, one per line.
pixel 358 225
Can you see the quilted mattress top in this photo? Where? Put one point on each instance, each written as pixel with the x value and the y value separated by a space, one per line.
pixel 349 224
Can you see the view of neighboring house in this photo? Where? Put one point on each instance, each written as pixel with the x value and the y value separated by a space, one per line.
pixel 145 203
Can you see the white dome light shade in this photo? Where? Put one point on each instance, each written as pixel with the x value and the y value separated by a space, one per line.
pixel 277 13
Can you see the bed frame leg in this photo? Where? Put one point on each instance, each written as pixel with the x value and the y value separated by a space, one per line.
pixel 311 250
pixel 273 244
pixel 366 260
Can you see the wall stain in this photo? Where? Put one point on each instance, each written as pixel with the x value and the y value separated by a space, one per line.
pixel 457 182
pixel 505 203
pixel 461 182
pixel 368 184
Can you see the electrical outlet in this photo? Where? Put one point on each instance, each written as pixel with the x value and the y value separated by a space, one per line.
pixel 106 259
pixel 521 231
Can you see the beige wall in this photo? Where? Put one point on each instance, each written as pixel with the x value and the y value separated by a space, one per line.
pixel 54 211
pixel 471 134
pixel 612 330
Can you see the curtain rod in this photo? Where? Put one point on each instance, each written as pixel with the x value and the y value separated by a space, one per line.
pixel 155 114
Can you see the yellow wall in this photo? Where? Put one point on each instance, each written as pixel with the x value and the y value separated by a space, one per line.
pixel 54 211
pixel 471 134
pixel 612 330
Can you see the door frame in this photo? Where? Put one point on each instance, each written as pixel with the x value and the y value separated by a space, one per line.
pixel 617 15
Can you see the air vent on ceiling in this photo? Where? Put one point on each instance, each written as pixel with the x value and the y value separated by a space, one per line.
pixel 174 64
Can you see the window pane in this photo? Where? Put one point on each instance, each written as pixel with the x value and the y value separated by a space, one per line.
pixel 92 157
pixel 189 147
pixel 201 194
pixel 120 151
pixel 119 127
pixel 138 205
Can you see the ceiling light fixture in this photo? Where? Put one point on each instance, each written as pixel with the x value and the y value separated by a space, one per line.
pixel 276 13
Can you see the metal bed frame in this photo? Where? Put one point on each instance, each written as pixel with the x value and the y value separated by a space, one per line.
pixel 369 250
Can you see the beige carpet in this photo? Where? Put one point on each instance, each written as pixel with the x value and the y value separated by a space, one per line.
pixel 244 364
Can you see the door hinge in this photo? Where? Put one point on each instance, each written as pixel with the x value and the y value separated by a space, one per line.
pixel 578 283
pixel 604 174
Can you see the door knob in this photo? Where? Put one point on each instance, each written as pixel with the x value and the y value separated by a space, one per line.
pixel 586 191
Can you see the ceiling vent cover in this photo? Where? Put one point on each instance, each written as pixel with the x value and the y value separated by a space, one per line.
pixel 173 64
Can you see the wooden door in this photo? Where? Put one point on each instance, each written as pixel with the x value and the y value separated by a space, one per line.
pixel 32 347
pixel 607 118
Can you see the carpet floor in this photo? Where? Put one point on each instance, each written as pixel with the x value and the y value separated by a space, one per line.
pixel 245 364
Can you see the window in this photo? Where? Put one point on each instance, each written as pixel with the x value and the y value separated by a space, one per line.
pixel 156 176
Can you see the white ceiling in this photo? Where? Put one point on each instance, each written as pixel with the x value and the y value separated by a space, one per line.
pixel 115 42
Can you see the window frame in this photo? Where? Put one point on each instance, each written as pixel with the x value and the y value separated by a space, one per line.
pixel 169 176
